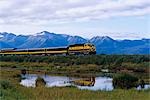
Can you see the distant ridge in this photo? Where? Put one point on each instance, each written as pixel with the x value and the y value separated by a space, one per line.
pixel 104 44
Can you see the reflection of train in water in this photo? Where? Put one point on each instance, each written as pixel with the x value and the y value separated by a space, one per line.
pixel 85 81
pixel 86 48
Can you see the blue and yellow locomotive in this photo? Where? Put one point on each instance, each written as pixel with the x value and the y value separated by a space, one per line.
pixel 75 49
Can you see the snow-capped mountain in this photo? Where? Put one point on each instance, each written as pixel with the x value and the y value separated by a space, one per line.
pixel 104 44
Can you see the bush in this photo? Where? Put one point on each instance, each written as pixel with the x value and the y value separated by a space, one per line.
pixel 40 82
pixel 125 81
pixel 4 84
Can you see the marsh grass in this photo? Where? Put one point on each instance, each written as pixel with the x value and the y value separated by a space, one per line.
pixel 50 68
pixel 9 92
pixel 79 64
pixel 18 92
pixel 71 93
pixel 72 65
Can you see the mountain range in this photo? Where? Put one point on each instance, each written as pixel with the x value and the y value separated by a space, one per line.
pixel 104 44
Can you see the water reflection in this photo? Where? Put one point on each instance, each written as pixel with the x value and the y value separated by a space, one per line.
pixel 29 80
pixel 94 83
pixel 84 81
pixel 146 86
pixel 101 83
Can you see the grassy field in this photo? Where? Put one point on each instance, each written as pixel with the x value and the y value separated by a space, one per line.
pixel 11 67
pixel 70 93
pixel 13 91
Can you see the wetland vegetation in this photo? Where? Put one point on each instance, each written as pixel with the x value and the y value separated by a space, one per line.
pixel 15 91
pixel 79 64
pixel 93 65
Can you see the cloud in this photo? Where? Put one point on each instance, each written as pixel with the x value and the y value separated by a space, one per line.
pixel 59 11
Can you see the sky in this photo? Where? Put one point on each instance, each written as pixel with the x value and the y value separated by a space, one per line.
pixel 119 19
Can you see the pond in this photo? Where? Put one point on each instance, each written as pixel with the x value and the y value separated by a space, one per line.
pixel 94 83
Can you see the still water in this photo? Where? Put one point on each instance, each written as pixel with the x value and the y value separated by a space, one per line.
pixel 97 83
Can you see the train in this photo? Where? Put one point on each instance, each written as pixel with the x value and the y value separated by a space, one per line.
pixel 75 49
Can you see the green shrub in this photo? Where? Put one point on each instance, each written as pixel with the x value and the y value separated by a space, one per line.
pixel 125 81
pixel 4 84
pixel 40 82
